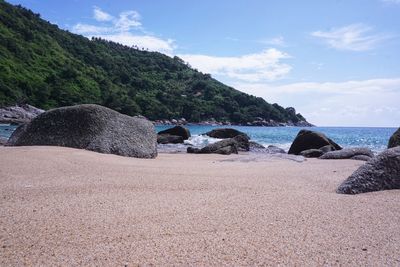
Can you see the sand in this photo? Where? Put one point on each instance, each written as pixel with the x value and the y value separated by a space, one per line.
pixel 62 206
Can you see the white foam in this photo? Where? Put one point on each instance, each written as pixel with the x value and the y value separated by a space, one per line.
pixel 200 141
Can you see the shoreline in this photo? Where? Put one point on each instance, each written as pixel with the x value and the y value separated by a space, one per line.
pixel 64 206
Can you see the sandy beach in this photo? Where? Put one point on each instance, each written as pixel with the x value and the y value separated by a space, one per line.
pixel 63 206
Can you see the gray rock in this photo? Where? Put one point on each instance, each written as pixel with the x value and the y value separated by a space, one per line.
pixel 312 153
pixel 226 146
pixel 178 131
pixel 380 173
pixel 306 139
pixel 223 133
pixel 394 139
pixel 327 148
pixel 348 153
pixel 90 127
pixel 19 114
pixel 275 150
pixel 361 157
pixel 255 145
pixel 169 139
pixel 3 141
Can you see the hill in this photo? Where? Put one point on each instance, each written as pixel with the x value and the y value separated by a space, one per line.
pixel 48 67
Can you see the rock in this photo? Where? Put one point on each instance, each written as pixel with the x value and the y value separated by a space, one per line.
pixel 255 145
pixel 348 153
pixel 394 139
pixel 327 148
pixel 275 150
pixel 3 141
pixel 177 130
pixel 361 157
pixel 226 146
pixel 90 127
pixel 169 139
pixel 19 114
pixel 306 139
pixel 380 173
pixel 312 153
pixel 223 133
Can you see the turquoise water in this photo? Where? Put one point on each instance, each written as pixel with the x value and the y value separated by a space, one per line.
pixel 6 130
pixel 374 138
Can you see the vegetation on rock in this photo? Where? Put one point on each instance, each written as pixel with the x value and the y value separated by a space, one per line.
pixel 47 67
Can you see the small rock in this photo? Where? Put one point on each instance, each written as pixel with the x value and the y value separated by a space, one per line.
pixel 312 153
pixel 394 139
pixel 348 153
pixel 380 173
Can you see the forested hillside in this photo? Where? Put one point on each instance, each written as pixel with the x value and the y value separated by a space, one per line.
pixel 47 67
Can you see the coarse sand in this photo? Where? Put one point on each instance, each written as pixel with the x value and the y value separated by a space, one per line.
pixel 63 206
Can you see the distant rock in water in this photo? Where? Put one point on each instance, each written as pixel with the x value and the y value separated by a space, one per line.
pixel 19 114
pixel 223 133
pixel 174 135
pixel 169 139
pixel 306 139
pixel 394 139
pixel 226 146
pixel 90 127
pixel 349 153
pixel 177 130
pixel 380 173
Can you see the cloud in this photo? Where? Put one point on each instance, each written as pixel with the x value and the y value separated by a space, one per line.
pixel 262 66
pixel 277 41
pixel 371 102
pixel 126 28
pixel 100 15
pixel 354 37
pixel 128 20
pixel 81 28
pixel 150 42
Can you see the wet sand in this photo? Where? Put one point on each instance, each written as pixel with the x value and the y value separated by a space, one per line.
pixel 62 206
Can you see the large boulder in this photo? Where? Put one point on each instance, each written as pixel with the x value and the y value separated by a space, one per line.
pixel 3 140
pixel 379 173
pixel 226 146
pixel 348 153
pixel 90 127
pixel 223 133
pixel 306 139
pixel 19 114
pixel 177 131
pixel 394 139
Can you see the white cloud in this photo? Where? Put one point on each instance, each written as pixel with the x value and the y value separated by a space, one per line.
pixel 128 20
pixel 351 103
pixel 150 42
pixel 126 29
pixel 265 65
pixel 277 41
pixel 81 28
pixel 354 37
pixel 100 15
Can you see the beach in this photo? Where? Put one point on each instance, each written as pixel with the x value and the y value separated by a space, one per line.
pixel 64 206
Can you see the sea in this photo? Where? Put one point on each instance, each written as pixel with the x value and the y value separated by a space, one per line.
pixel 375 138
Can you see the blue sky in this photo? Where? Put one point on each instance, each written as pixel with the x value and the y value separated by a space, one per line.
pixel 337 62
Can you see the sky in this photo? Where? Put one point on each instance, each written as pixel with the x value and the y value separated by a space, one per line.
pixel 336 61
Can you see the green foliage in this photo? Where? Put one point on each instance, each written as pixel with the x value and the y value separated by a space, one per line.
pixel 49 67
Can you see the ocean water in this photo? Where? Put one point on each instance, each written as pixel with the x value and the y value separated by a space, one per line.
pixel 374 138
